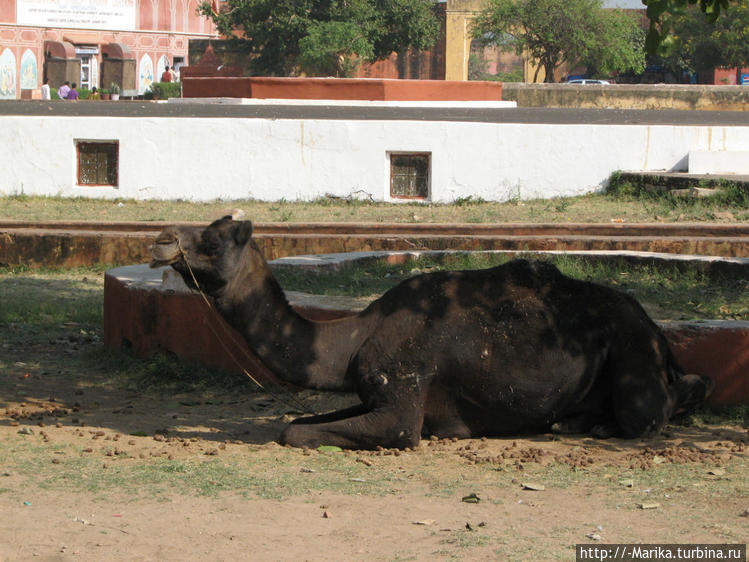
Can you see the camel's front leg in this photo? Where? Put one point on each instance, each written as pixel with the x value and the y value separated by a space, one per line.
pixel 336 415
pixel 387 427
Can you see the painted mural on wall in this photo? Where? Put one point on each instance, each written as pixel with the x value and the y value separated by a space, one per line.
pixel 145 76
pixel 81 14
pixel 161 67
pixel 29 76
pixel 7 75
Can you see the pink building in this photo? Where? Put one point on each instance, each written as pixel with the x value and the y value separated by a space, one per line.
pixel 94 42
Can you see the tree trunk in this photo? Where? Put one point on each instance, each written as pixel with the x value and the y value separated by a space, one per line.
pixel 549 68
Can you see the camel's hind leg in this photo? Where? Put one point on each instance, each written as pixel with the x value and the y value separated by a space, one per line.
pixel 641 403
pixel 639 364
pixel 644 404
pixel 643 398
pixel 688 391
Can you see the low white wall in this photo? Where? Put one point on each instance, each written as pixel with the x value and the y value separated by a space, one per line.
pixel 723 162
pixel 267 159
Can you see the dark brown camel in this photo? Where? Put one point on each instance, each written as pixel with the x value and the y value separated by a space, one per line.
pixel 515 348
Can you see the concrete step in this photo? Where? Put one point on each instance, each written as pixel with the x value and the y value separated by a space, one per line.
pixel 661 181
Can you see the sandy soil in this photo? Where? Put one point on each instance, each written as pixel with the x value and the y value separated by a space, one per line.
pixel 75 484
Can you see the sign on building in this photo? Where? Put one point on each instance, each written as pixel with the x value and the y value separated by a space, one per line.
pixel 79 14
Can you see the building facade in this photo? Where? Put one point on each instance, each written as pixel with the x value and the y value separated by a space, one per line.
pixel 94 42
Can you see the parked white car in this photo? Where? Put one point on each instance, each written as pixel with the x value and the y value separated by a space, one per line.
pixel 587 81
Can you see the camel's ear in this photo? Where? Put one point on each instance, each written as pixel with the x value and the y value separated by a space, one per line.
pixel 242 232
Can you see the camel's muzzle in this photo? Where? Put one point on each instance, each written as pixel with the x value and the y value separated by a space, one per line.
pixel 165 250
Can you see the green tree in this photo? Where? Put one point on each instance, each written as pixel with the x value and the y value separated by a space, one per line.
pixel 617 46
pixel 658 12
pixel 324 37
pixel 696 44
pixel 556 32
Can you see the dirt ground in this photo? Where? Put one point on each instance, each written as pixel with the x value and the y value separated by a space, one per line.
pixel 90 471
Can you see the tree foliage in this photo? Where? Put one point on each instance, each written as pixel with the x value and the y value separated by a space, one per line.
pixel 555 32
pixel 695 43
pixel 325 37
pixel 658 12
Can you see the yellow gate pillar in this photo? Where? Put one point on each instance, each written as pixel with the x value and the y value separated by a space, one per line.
pixel 458 17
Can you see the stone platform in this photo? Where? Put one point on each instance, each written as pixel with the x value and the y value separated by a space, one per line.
pixel 151 309
pixel 79 243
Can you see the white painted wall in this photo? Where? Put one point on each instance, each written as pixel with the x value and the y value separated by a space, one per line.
pixel 267 159
pixel 718 162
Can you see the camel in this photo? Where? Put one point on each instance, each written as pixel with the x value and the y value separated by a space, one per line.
pixel 518 348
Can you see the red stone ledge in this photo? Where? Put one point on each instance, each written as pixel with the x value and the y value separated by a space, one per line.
pixel 148 318
pixel 72 247
pixel 655 229
pixel 371 89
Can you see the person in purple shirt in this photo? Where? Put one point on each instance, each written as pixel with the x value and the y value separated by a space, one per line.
pixel 62 92
pixel 73 93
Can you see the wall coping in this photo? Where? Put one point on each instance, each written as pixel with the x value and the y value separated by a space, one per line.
pixel 468 104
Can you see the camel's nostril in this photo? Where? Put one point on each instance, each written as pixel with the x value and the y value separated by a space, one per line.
pixel 166 240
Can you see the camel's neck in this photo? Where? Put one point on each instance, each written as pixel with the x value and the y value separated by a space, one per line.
pixel 296 350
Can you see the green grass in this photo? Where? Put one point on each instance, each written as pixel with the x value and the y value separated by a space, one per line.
pixel 55 316
pixel 729 415
pixel 162 372
pixel 623 203
pixel 466 538
pixel 277 476
pixel 667 291
pixel 731 201
pixel 42 300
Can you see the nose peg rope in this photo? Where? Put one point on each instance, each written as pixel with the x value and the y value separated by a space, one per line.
pixel 290 401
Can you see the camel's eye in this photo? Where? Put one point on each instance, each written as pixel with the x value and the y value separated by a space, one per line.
pixel 210 243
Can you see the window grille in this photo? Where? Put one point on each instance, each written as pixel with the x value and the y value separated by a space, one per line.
pixel 98 162
pixel 409 176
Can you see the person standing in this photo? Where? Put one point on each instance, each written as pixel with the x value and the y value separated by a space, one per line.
pixel 73 93
pixel 62 93
pixel 46 94
pixel 166 76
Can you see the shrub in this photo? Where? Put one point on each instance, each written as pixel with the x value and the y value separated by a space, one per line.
pixel 166 90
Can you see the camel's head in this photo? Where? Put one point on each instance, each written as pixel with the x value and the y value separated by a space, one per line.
pixel 213 253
